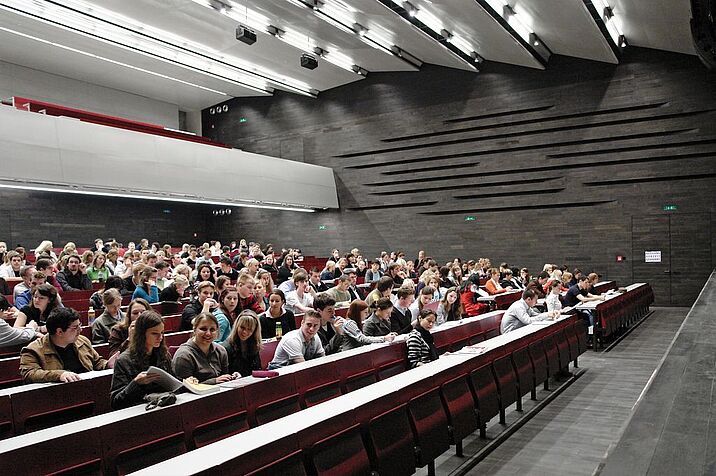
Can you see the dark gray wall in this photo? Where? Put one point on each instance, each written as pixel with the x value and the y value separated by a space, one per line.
pixel 553 164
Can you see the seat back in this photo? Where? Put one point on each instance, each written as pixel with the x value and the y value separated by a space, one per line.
pixel 572 343
pixel 6 425
pixel 522 366
pixel 506 381
pixel 267 352
pixel 289 465
pixel 539 362
pixel 430 426
pixel 560 338
pixel 476 339
pixel 551 353
pixel 460 407
pixel 206 420
pixel 341 453
pixel 390 443
pixel 484 391
pixel 580 331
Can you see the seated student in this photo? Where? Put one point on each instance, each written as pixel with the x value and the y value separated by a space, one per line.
pixel 147 286
pixel 247 300
pixel 61 354
pixel 331 330
pixel 384 288
pixel 339 292
pixel 285 271
pixel 37 278
pixel 401 318
pixel 162 275
pixel 268 264
pixel 95 300
pixel 44 301
pixel 225 269
pixel 26 272
pixel 221 283
pixel 72 278
pixel 521 313
pixel 205 291
pixel 130 381
pixel 469 293
pixel 538 283
pixel 353 323
pixel 200 357
pixel 174 292
pixel 10 336
pixel 120 334
pixel 593 280
pixel 420 343
pixel 276 312
pixel 314 280
pixel 300 300
pixel 553 298
pixel 493 285
pixel 301 344
pixel 110 317
pixel 328 273
pixel 579 293
pixel 46 266
pixel 205 272
pixel 378 324
pixel 450 308
pixel 509 281
pixel 243 346
pixel 425 298
pixel 225 312
pixel 12 265
pixel 205 258
pixel 353 290
pixel 566 280
pixel 361 268
pixel 98 271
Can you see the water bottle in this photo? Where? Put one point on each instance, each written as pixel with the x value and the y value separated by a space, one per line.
pixel 90 316
pixel 279 330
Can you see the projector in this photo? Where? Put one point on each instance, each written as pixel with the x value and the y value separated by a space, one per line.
pixel 245 35
pixel 309 61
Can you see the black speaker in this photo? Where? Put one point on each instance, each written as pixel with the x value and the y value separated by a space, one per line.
pixel 309 61
pixel 245 35
pixel 703 31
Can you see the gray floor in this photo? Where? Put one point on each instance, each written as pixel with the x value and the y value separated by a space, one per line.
pixel 573 433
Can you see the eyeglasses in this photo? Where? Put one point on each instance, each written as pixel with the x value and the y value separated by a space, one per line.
pixel 75 327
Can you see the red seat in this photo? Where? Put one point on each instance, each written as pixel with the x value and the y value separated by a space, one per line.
pixel 267 351
pixel 289 465
pixel 506 385
pixel 522 366
pixel 572 344
pixel 206 420
pixel 580 330
pixel 460 407
pixel 271 399
pixel 484 391
pixel 476 339
pixel 340 454
pixel 177 338
pixel 390 443
pixel 539 364
pixel 430 428
pixel 131 444
pixel 552 355
pixel 6 426
pixel 560 339
pixel 359 380
pixel 319 384
pixel 356 372
pixel 10 372
pixel 492 333
pixel 389 360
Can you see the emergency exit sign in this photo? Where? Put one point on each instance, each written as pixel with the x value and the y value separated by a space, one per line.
pixel 470 218
pixel 670 208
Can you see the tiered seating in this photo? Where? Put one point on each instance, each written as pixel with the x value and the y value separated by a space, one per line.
pixel 391 427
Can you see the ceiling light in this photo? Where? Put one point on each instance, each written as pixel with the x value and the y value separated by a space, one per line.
pixel 410 8
pixel 360 29
pixel 245 35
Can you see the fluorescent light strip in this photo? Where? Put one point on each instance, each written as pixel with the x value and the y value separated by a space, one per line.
pixel 122 40
pixel 203 59
pixel 92 55
pixel 150 197
pixel 611 23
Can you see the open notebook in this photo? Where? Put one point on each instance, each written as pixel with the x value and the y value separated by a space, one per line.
pixel 172 384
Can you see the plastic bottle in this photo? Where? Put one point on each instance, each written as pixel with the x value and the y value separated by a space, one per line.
pixel 279 330
pixel 90 316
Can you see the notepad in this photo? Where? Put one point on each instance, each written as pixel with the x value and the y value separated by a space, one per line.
pixel 172 384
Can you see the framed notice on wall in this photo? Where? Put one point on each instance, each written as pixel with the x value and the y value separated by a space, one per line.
pixel 652 256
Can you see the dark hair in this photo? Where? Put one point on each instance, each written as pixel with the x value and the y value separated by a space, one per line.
pixel 225 260
pixel 529 293
pixel 555 284
pixel 355 310
pixel 61 318
pixel 383 303
pixel 543 275
pixel 4 303
pixel 224 292
pixel 322 301
pixel 43 263
pixel 49 292
pixel 384 283
pixel 280 294
pixel 583 278
pixel 162 265
pixel 124 325
pixel 138 344
pixel 403 293
pixel 424 313
pixel 113 282
pixel 203 265
pixel 311 313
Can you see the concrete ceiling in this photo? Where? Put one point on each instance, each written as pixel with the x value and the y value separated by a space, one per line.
pixel 211 66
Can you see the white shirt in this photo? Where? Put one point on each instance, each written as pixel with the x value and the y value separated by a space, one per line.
pixel 292 299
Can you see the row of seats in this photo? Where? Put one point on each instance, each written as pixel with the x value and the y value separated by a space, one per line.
pixel 46 405
pixel 401 423
pixel 618 313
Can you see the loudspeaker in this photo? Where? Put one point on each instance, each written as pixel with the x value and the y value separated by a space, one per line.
pixel 245 35
pixel 703 31
pixel 309 61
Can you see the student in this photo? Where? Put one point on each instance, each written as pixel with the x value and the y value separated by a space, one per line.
pixel 44 301
pixel 120 333
pixel 225 269
pixel 378 324
pixel 98 271
pixel 11 336
pixel 205 291
pixel 102 326
pixel 285 271
pixel 426 297
pixel 450 308
pixel 300 300
pixel 130 381
pixel 225 312
pixel 552 300
pixel 521 313
pixel 200 357
pixel 147 286
pixel 352 335
pixel 384 288
pixel 247 300
pixel 276 312
pixel 493 285
pixel 243 346
pixel 72 278
pixel 62 354
pixel 174 292
pixel 420 343
pixel 301 344
pixel 401 319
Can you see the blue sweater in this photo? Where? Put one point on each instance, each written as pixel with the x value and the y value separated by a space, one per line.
pixel 152 297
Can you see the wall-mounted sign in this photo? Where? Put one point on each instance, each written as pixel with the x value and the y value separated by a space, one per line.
pixel 620 258
pixel 670 208
pixel 322 227
pixel 652 256
pixel 470 218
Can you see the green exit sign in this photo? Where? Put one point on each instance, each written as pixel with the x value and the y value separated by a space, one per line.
pixel 243 119
pixel 670 208
pixel 470 218
pixel 322 227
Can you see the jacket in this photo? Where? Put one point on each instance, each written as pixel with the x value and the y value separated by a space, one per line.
pixel 39 361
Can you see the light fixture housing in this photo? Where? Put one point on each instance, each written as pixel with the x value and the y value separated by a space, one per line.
pixel 245 34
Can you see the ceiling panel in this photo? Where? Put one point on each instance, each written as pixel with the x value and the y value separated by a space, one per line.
pixel 658 24
pixel 566 27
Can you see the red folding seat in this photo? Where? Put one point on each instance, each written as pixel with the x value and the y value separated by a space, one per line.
pixel 460 407
pixel 10 372
pixel 522 366
pixel 572 343
pixel 539 364
pixel 6 426
pixel 340 454
pixel 318 384
pixel 484 391
pixel 506 385
pixel 268 350
pixel 390 443
pixel 214 417
pixel 271 399
pixel 430 428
